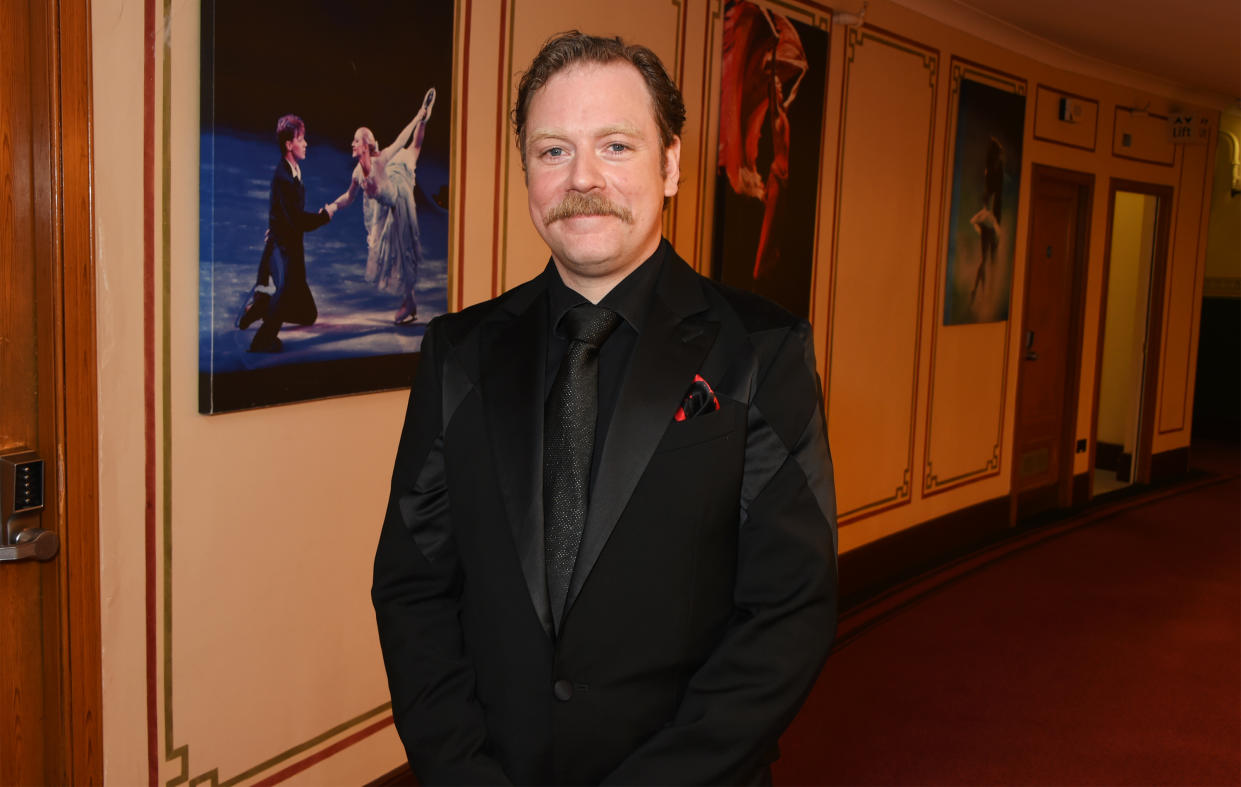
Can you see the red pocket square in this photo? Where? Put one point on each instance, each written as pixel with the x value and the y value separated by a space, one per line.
pixel 699 399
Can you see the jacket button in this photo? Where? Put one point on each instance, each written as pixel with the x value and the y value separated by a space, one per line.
pixel 563 690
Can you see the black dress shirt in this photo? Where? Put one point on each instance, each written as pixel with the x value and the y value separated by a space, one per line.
pixel 631 299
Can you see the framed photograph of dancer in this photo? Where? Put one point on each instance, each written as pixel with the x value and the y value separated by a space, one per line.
pixel 323 199
pixel 986 182
pixel 772 82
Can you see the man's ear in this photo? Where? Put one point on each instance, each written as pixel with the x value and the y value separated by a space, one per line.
pixel 672 167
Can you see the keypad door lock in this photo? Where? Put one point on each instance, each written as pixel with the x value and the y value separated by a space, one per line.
pixel 21 499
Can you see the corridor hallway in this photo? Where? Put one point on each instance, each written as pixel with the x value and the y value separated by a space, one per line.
pixel 1101 649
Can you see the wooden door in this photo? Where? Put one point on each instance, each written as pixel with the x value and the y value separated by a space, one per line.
pixel 1050 353
pixel 49 610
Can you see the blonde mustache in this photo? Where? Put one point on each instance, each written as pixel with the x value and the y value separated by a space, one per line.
pixel 577 204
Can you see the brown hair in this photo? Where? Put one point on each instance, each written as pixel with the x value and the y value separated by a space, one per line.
pixel 568 49
pixel 287 129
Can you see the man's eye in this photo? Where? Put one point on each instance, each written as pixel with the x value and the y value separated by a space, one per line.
pixel 617 147
pixel 554 152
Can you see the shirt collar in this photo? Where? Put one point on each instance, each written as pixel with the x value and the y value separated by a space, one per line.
pixel 630 298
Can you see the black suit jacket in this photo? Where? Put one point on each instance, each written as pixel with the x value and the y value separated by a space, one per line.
pixel 287 222
pixel 703 601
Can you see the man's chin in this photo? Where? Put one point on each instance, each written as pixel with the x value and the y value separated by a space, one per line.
pixel 584 237
pixel 587 259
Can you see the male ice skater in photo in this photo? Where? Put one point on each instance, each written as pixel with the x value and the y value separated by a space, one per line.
pixel 609 554
pixel 284 255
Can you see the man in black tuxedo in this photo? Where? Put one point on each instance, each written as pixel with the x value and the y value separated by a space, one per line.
pixel 662 621
pixel 284 255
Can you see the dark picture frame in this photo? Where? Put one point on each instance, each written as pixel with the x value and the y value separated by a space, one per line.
pixel 338 66
pixel 986 187
pixel 772 113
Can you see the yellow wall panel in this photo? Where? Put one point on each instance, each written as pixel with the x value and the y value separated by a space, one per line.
pixel 1139 135
pixel 879 269
pixel 266 522
pixel 965 431
pixel 689 216
pixel 969 377
pixel 1080 133
pixel 1184 275
pixel 482 141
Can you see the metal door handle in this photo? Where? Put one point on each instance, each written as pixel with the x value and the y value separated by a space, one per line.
pixel 32 542
pixel 1030 354
pixel 21 494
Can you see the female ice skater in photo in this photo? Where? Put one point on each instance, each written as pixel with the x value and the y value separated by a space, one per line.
pixel 385 178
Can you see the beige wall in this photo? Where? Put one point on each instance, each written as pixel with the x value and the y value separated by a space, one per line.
pixel 265 654
pixel 117 53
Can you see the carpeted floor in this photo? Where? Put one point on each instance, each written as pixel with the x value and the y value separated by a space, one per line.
pixel 1104 650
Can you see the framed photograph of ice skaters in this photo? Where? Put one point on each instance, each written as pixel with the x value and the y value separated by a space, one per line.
pixel 324 181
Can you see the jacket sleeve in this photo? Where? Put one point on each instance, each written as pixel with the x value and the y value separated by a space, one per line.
pixel 741 699
pixel 290 205
pixel 416 593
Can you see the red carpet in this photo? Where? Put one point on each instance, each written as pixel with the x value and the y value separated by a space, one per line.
pixel 1105 650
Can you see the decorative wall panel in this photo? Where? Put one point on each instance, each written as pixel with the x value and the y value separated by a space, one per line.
pixel 1079 132
pixel 879 266
pixel 262 656
pixel 1142 136
pixel 969 362
pixel 1180 312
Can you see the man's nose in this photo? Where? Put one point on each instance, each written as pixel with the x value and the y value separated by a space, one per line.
pixel 587 173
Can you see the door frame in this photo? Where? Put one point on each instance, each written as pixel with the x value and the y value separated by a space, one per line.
pixel 82 644
pixel 1141 473
pixel 61 121
pixel 1063 490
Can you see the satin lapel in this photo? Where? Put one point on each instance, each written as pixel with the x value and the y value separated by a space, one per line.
pixel 669 351
pixel 513 356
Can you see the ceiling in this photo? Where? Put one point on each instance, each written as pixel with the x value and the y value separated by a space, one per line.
pixel 1194 45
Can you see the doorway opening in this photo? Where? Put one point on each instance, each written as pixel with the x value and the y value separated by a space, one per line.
pixel 1129 336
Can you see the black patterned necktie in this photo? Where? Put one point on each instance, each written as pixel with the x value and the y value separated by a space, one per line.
pixel 569 443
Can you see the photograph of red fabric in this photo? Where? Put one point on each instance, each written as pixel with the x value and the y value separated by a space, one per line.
pixel 771 121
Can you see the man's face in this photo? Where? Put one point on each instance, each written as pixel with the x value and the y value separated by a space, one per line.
pixel 297 146
pixel 593 170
